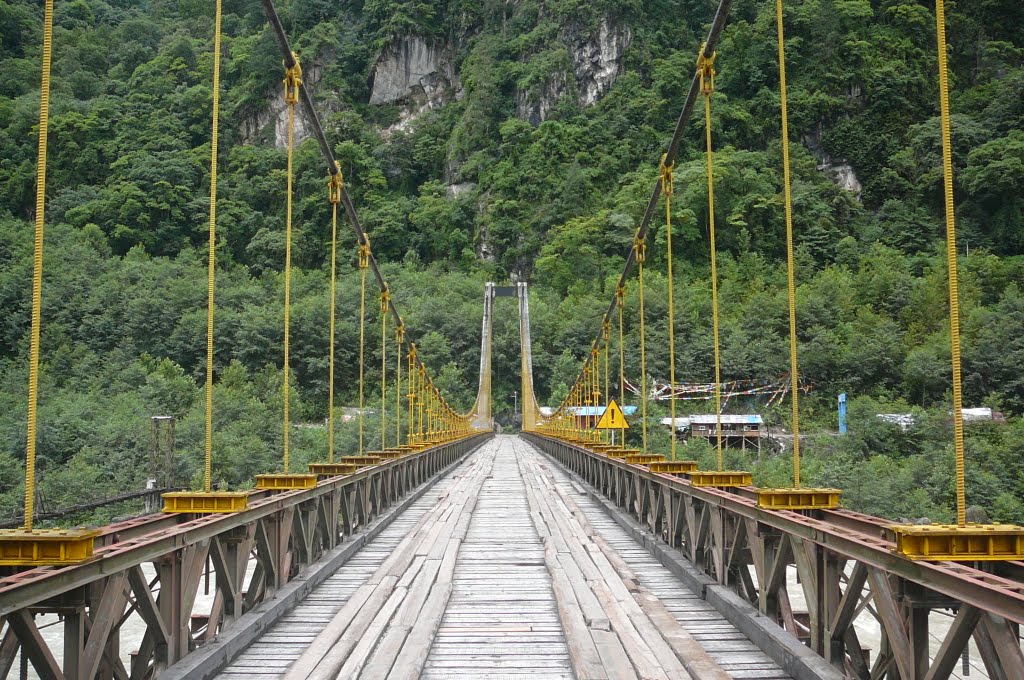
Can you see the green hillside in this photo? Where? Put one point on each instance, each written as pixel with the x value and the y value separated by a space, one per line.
pixel 485 140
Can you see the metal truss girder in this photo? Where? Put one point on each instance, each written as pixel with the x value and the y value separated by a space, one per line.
pixel 852 535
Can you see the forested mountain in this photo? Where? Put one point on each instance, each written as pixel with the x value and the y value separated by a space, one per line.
pixel 495 139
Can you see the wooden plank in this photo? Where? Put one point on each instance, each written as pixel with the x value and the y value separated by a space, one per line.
pixel 410 661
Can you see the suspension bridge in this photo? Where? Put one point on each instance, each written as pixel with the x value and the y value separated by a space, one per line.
pixel 555 553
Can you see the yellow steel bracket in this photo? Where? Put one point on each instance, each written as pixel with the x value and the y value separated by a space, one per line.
pixel 620 296
pixel 723 478
pixel 640 247
pixel 335 184
pixel 285 482
pixel 324 470
pixel 606 330
pixel 400 331
pixel 39 547
pixel 385 300
pixel 364 252
pixel 706 71
pixel 674 467
pixel 801 498
pixel 665 172
pixel 955 543
pixel 205 502
pixel 292 81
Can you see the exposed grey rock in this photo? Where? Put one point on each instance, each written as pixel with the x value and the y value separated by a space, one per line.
pixel 843 175
pixel 456 190
pixel 413 68
pixel 596 61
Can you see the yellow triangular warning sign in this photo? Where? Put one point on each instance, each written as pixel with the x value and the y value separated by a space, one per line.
pixel 613 418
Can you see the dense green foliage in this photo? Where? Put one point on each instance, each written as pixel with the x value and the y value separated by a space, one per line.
pixel 554 203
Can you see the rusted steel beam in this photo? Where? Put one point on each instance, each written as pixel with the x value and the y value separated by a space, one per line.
pixel 30 587
pixel 990 592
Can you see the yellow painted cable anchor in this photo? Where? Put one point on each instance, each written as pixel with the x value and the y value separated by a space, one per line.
pixel 963 541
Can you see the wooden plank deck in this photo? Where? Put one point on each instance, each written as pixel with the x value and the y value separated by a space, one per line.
pixel 503 570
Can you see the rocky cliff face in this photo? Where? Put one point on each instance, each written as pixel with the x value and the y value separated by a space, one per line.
pixel 596 58
pixel 414 71
pixel 412 68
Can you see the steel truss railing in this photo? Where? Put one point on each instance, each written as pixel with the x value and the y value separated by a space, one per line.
pixel 280 533
pixel 845 564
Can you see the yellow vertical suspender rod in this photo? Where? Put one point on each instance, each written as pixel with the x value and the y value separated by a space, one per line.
pixel 595 354
pixel 790 268
pixel 334 187
pixel 364 260
pixel 410 435
pixel 954 295
pixel 399 341
pixel 214 139
pixel 385 299
pixel 706 71
pixel 620 299
pixel 640 247
pixel 292 81
pixel 37 270
pixel 667 189
pixel 606 337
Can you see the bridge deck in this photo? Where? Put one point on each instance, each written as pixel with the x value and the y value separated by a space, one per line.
pixel 503 570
